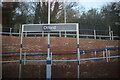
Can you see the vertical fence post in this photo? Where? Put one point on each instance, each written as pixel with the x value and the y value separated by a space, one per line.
pixel 106 55
pixel 83 52
pixel 87 37
pixel 59 33
pixel 10 31
pixel 103 53
pixel 109 54
pixel 94 34
pixel 78 53
pixel 112 35
pixel 25 51
pixel 21 47
pixel 48 61
pixel 42 34
pixel 95 53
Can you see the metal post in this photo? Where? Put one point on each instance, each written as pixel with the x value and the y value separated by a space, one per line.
pixel 106 55
pixel 48 32
pixel 83 52
pixel 109 54
pixel 42 34
pixel 95 53
pixel 48 68
pixel 48 11
pixel 48 45
pixel 26 34
pixel 86 36
pixel 20 65
pixel 112 35
pixel 78 53
pixel 10 31
pixel 94 34
pixel 48 61
pixel 25 52
pixel 59 33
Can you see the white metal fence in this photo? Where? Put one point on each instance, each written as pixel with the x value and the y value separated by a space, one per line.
pixel 107 34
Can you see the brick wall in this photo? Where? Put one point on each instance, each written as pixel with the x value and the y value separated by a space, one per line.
pixel 12 43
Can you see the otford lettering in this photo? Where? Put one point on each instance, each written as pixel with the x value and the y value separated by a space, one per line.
pixel 49 27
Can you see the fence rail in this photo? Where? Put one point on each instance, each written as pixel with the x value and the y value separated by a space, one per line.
pixel 65 52
pixel 63 60
pixel 61 52
pixel 91 33
pixel 64 35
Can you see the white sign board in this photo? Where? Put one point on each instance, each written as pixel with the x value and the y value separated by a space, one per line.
pixel 50 27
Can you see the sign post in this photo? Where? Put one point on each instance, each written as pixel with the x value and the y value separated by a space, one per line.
pixel 68 27
pixel 48 62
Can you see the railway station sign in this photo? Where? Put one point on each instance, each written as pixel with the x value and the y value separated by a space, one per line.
pixel 50 27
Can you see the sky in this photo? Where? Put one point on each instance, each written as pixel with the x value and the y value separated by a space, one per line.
pixel 92 0
pixel 89 5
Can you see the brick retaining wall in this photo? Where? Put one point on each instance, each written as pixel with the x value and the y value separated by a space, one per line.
pixel 12 43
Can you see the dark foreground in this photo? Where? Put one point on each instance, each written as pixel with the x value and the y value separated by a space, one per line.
pixel 88 69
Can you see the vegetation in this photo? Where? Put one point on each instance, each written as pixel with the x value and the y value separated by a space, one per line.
pixel 36 12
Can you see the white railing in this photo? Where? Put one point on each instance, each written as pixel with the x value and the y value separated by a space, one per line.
pixel 42 34
pixel 110 34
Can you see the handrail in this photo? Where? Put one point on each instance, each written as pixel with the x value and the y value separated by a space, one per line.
pixel 63 60
pixel 60 52
pixel 63 34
